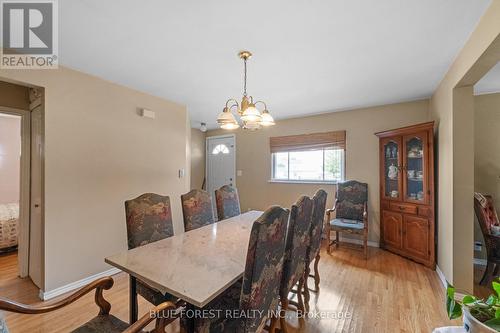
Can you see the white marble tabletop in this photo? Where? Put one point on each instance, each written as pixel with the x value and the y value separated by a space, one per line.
pixel 195 266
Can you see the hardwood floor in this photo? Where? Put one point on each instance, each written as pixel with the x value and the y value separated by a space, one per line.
pixel 384 294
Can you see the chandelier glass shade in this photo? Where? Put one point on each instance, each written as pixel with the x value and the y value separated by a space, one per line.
pixel 251 117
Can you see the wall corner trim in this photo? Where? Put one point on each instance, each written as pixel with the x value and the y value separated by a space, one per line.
pixel 441 277
pixel 46 295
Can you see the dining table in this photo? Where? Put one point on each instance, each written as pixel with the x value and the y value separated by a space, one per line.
pixel 194 266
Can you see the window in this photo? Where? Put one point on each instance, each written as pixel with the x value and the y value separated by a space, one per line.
pixel 322 165
pixel 309 158
pixel 220 149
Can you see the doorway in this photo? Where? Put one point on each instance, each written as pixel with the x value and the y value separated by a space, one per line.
pixel 486 178
pixel 220 163
pixel 21 183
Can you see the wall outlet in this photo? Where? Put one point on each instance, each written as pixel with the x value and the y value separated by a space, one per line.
pixel 478 246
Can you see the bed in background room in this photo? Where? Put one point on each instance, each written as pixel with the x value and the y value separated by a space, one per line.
pixel 9 221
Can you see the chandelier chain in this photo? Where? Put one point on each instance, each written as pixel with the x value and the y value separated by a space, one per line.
pixel 245 77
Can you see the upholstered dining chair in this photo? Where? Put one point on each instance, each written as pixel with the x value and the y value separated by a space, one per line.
pixel 487 216
pixel 313 249
pixel 227 202
pixel 294 267
pixel 258 291
pixel 351 213
pixel 103 322
pixel 197 209
pixel 149 219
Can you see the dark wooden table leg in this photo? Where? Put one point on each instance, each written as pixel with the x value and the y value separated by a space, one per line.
pixel 133 307
pixel 190 318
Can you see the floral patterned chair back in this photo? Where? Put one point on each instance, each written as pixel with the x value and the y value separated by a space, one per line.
pixel 297 241
pixel 149 219
pixel 485 212
pixel 228 202
pixel 351 199
pixel 263 270
pixel 316 227
pixel 197 209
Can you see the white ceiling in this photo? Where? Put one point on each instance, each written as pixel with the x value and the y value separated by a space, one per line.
pixel 490 83
pixel 309 56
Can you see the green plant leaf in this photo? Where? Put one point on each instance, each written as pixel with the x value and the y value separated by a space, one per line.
pixel 496 287
pixel 468 299
pixel 450 291
pixel 497 313
pixel 493 323
pixel 492 300
pixel 453 308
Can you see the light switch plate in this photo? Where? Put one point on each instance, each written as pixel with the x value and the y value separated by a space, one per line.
pixel 181 173
pixel 239 173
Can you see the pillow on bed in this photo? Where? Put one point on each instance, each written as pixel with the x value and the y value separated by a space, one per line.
pixel 9 211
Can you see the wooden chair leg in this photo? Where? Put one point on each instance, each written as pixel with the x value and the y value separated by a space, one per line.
pixel 316 271
pixel 329 241
pixel 365 245
pixel 300 298
pixel 307 295
pixel 273 325
pixel 336 239
pixel 284 307
pixel 485 278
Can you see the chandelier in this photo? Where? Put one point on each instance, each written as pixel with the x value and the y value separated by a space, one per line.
pixel 251 118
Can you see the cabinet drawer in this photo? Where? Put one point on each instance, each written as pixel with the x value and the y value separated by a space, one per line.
pixel 425 211
pixel 404 208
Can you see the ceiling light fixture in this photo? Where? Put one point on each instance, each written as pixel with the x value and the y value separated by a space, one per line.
pixel 251 117
pixel 203 127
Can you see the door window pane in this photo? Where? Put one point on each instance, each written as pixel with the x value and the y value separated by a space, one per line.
pixel 414 169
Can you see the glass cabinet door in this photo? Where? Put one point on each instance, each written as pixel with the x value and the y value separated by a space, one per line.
pixel 391 151
pixel 415 168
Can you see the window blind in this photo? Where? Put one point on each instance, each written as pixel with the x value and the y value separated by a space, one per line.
pixel 326 140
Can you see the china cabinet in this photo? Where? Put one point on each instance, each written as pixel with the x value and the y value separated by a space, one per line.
pixel 407 192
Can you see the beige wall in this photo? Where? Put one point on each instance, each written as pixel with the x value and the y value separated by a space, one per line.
pixel 362 160
pixel 486 153
pixel 197 158
pixel 98 154
pixel 453 111
pixel 10 158
pixel 13 95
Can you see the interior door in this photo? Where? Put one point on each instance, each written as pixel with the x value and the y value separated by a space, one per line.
pixel 221 163
pixel 391 168
pixel 416 171
pixel 36 209
pixel 392 227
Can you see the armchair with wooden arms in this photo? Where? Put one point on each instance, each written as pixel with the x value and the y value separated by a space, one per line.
pixel 104 322
pixel 487 217
pixel 351 213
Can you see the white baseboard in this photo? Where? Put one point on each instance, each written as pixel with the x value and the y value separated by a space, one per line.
pixel 481 262
pixel 46 295
pixel 357 241
pixel 458 296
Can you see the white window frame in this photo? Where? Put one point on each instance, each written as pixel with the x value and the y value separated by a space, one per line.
pixel 306 181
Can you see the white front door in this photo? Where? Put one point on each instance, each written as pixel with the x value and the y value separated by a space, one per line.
pixel 221 163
